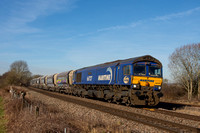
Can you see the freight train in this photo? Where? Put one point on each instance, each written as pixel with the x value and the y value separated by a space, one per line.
pixel 134 81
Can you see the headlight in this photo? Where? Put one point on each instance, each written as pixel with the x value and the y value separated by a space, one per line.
pixel 156 88
pixel 136 86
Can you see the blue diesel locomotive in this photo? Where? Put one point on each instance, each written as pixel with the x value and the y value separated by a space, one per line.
pixel 134 81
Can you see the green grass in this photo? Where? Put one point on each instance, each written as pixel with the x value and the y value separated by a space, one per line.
pixel 2 120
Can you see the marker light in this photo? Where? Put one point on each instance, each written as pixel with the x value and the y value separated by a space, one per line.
pixel 159 88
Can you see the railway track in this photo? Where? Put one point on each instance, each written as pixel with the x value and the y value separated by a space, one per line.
pixel 147 120
pixel 177 105
pixel 175 114
pixel 168 109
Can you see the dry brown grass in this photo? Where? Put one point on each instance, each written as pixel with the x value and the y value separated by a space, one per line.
pixel 4 91
pixel 22 118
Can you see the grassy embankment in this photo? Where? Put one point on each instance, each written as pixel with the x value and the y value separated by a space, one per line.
pixel 2 120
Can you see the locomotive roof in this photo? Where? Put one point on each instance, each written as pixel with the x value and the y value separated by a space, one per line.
pixel 130 60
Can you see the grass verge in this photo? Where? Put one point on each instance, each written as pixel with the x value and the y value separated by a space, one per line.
pixel 2 119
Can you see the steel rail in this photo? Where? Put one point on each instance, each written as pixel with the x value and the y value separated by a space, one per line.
pixel 173 113
pixel 180 115
pixel 179 104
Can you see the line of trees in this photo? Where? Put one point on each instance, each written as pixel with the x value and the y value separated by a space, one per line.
pixel 184 64
pixel 18 74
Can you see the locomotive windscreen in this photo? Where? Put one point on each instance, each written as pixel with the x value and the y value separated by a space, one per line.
pixel 147 69
pixel 139 70
pixel 154 71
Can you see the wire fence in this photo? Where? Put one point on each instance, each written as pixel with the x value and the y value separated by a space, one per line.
pixel 33 107
pixel 26 104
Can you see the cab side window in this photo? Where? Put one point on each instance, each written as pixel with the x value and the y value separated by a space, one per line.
pixel 126 70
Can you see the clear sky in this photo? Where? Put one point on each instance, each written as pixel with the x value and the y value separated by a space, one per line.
pixel 53 36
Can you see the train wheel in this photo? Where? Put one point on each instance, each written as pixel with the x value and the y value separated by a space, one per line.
pixel 117 102
pixel 128 103
pixel 155 100
pixel 82 95
pixel 109 100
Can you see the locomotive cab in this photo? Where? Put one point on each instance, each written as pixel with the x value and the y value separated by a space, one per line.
pixel 147 81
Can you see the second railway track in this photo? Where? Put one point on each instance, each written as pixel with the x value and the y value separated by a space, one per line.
pixel 147 120
pixel 175 114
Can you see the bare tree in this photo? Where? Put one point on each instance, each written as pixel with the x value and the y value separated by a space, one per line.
pixel 19 73
pixel 184 64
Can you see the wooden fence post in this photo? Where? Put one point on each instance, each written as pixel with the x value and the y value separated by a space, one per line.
pixel 37 111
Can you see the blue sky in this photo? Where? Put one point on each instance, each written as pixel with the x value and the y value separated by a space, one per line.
pixel 53 36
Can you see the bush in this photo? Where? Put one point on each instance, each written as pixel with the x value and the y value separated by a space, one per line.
pixel 173 91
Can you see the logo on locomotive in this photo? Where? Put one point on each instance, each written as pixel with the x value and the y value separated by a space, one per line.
pixel 126 80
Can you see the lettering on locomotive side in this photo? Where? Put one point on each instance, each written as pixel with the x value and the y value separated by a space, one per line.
pixel 89 78
pixel 147 80
pixel 104 77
